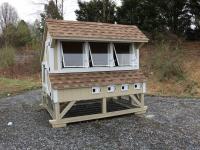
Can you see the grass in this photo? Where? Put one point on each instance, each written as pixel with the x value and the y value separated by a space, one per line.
pixel 163 81
pixel 7 55
pixel 13 86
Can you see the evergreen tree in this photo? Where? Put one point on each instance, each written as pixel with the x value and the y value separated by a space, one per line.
pixel 23 34
pixel 143 13
pixel 50 11
pixel 96 11
pixel 176 15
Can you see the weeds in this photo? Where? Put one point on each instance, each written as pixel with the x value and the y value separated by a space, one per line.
pixel 165 61
pixel 7 56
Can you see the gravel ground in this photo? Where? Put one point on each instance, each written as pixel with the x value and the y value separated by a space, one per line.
pixel 170 123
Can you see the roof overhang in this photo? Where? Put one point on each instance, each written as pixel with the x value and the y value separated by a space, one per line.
pixel 99 40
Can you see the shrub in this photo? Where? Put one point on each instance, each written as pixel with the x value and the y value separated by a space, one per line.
pixel 165 61
pixel 35 63
pixel 7 56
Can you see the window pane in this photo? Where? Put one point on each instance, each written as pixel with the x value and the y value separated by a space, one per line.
pixel 99 53
pixel 123 54
pixel 73 53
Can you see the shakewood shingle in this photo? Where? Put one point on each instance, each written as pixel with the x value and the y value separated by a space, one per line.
pixel 90 79
pixel 93 31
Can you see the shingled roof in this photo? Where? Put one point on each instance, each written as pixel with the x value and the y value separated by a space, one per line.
pixel 93 31
pixel 90 79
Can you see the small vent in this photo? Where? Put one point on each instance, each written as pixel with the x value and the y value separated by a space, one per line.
pixel 137 86
pixel 96 90
pixel 124 87
pixel 111 88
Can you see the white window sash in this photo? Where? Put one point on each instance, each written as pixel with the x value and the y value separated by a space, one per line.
pixel 67 66
pixel 93 65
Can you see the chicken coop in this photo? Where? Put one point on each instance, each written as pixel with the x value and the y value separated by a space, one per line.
pixel 91 70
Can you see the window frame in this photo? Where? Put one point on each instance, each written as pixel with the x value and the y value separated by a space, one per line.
pixel 130 53
pixel 90 53
pixel 63 59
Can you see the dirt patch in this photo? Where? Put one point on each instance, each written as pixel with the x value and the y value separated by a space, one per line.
pixel 170 123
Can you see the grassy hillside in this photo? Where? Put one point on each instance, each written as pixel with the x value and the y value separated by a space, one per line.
pixel 188 58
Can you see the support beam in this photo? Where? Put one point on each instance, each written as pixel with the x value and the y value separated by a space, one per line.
pixel 57 111
pixel 67 108
pixel 135 99
pixel 104 106
pixel 96 116
pixel 142 99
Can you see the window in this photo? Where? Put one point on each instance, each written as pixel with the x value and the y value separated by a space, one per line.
pixel 123 55
pixel 99 54
pixel 72 54
pixel 96 90
pixel 111 88
pixel 124 87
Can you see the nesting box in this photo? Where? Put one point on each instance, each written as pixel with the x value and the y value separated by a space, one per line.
pixel 91 71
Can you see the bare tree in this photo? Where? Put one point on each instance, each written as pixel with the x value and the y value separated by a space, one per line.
pixel 8 15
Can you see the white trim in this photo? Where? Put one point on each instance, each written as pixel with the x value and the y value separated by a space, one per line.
pixel 93 65
pixel 111 61
pixel 136 56
pixel 59 55
pixel 100 40
pixel 116 54
pixel 55 96
pixel 138 59
pixel 93 69
pixel 144 87
pixel 72 66
pixel 86 54
pixel 51 59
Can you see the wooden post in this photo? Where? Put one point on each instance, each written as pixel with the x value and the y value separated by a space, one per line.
pixel 57 117
pixel 104 106
pixel 142 99
pixel 57 111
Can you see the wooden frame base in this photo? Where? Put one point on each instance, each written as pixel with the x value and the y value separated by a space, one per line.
pixel 58 112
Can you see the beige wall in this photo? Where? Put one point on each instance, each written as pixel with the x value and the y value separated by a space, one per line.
pixel 86 93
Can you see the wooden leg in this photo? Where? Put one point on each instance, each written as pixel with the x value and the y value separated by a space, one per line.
pixel 135 100
pixel 57 111
pixel 141 97
pixel 104 106
pixel 43 103
pixel 60 120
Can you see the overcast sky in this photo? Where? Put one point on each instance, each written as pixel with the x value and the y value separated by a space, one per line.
pixel 29 10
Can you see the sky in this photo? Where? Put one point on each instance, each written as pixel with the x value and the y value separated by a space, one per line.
pixel 29 10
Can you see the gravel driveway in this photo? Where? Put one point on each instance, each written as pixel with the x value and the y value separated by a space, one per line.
pixel 170 123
